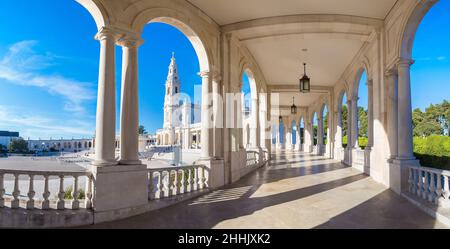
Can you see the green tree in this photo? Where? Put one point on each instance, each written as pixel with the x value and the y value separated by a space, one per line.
pixel 362 122
pixel 18 146
pixel 142 130
pixel 434 121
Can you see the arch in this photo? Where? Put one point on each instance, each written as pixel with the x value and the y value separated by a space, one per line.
pixel 101 16
pixel 409 28
pixel 246 70
pixel 364 67
pixel 182 22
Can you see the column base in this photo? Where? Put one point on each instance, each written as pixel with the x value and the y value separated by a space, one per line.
pixel 130 162
pixel 399 174
pixel 102 163
pixel 118 187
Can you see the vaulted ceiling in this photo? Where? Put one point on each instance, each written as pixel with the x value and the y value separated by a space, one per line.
pixel 276 32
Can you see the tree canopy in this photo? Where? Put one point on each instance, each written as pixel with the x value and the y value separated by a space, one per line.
pixel 434 121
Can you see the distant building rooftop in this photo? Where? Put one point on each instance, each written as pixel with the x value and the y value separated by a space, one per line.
pixel 9 134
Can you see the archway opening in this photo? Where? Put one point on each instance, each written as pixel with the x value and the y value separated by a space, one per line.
pixel 315 127
pixel 430 86
pixel 363 111
pixel 344 120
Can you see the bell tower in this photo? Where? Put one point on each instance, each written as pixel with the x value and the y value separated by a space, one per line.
pixel 171 102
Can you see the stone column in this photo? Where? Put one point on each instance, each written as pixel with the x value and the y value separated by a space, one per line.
pixel 254 123
pixel 308 137
pixel 262 122
pixel 106 101
pixel 288 135
pixel 218 116
pixel 354 118
pixel 392 115
pixel 405 131
pixel 349 125
pixel 298 144
pixel 129 114
pixel 370 115
pixel 206 152
pixel 319 135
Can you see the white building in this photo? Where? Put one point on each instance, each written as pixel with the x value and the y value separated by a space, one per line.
pixel 63 145
pixel 181 117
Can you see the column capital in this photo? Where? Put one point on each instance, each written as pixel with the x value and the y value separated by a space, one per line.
pixel 403 62
pixel 204 74
pixel 369 83
pixel 130 41
pixel 355 98
pixel 106 33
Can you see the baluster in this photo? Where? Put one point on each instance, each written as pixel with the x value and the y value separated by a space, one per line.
pixel 16 192
pixel 411 180
pixel 414 179
pixel 46 194
pixel 181 182
pixel 438 189
pixel 425 186
pixel 200 177
pixel 75 202
pixel 159 186
pixel 432 188
pixel 188 182
pixel 206 177
pixel 2 191
pixel 167 184
pixel 194 180
pixel 31 193
pixel 88 200
pixel 60 204
pixel 174 183
pixel 150 185
pixel 419 182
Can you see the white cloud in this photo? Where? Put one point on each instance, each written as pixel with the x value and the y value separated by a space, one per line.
pixel 441 58
pixel 21 65
pixel 35 126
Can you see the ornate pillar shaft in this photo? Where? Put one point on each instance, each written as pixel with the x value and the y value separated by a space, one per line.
pixel 405 131
pixel 370 114
pixel 320 132
pixel 254 123
pixel 106 101
pixel 129 115
pixel 392 113
pixel 206 141
pixel 218 116
pixel 354 121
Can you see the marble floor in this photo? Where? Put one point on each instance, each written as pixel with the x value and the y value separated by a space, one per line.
pixel 295 190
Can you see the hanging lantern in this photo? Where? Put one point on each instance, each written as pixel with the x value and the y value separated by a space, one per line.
pixel 305 82
pixel 293 107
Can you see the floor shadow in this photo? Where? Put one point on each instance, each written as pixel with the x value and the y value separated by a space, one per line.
pixel 379 212
pixel 207 213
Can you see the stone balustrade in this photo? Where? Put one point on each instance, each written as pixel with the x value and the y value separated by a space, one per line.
pixel 46 202
pixel 430 184
pixel 252 158
pixel 172 181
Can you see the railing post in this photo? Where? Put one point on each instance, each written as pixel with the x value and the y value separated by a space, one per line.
pixel 46 194
pixel 438 188
pixel 419 182
pixel 194 180
pixel 174 183
pixel 2 191
pixel 425 187
pixel 60 204
pixel 31 193
pixel 431 189
pixel 446 192
pixel 159 186
pixel 16 192
pixel 75 202
pixel 167 185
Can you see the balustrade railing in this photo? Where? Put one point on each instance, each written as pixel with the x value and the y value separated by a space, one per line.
pixel 252 158
pixel 172 181
pixel 430 184
pixel 44 178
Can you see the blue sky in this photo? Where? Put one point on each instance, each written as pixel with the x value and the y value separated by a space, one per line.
pixel 49 67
